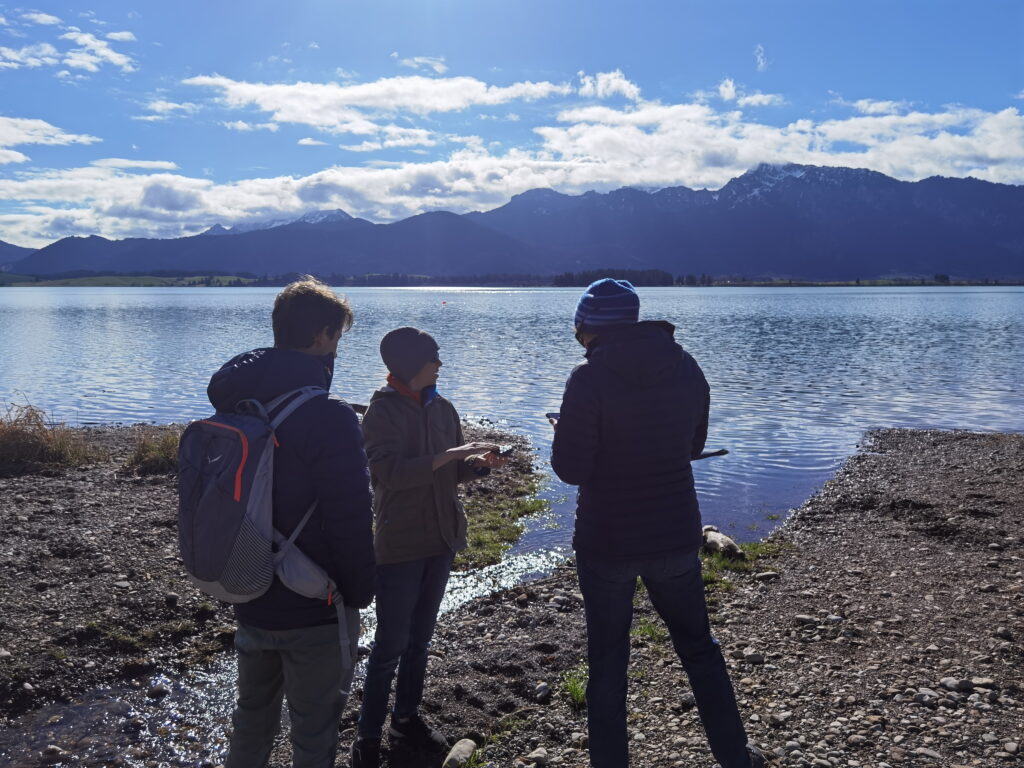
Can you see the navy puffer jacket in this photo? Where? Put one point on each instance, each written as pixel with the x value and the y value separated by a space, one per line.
pixel 633 415
pixel 320 458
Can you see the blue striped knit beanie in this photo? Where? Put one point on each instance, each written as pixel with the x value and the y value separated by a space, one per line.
pixel 607 302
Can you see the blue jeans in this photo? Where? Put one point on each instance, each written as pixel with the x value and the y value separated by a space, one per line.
pixel 306 666
pixel 408 599
pixel 676 590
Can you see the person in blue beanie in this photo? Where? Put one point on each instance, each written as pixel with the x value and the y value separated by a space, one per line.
pixel 633 416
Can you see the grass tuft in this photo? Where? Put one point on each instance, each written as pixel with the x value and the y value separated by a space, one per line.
pixel 574 683
pixel 155 453
pixel 649 630
pixel 29 441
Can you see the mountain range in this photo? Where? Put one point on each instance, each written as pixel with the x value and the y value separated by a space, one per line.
pixel 795 221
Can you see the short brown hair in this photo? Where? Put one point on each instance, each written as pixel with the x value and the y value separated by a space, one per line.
pixel 303 309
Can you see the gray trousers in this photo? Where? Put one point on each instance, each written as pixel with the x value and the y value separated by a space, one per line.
pixel 308 667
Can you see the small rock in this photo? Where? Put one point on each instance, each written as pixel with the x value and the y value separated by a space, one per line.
pixel 158 691
pixel 1011 747
pixel 122 584
pixel 460 754
pixel 766 576
pixel 1003 633
pixel 4 653
pixel 172 599
pixel 539 756
pixel 542 692
pixel 925 752
pixel 52 754
pixel 803 618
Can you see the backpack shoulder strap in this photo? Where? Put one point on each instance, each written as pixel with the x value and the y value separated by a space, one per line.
pixel 297 397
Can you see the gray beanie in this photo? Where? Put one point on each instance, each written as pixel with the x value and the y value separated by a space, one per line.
pixel 406 350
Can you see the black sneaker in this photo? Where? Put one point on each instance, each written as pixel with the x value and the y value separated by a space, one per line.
pixel 417 731
pixel 366 753
pixel 757 759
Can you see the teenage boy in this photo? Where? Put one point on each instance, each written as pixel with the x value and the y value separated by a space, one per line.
pixel 634 414
pixel 288 645
pixel 417 457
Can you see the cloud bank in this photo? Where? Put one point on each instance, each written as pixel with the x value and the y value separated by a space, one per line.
pixel 596 132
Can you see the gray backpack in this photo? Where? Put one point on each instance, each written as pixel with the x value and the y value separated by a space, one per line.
pixel 226 528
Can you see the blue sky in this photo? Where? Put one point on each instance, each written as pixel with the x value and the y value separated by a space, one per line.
pixel 160 119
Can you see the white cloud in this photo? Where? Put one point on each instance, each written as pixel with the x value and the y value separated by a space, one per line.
pixel 314 46
pixel 241 125
pixel 353 108
pixel 435 63
pixel 41 18
pixel 346 74
pixel 167 107
pixel 871 107
pixel 308 142
pixel 149 165
pixel 607 84
pixel 729 91
pixel 3 21
pixel 760 58
pixel 122 37
pixel 760 100
pixel 38 55
pixel 395 136
pixel 93 53
pixel 16 131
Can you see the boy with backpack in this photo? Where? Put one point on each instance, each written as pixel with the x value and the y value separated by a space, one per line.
pixel 289 644
pixel 417 457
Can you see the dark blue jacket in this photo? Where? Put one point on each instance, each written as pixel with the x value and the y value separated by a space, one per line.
pixel 633 415
pixel 320 458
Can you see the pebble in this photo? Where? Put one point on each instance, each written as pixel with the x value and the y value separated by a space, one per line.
pixel 158 691
pixel 460 754
pixel 542 692
pixel 4 653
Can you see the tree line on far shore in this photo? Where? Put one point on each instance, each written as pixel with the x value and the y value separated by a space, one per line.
pixel 638 277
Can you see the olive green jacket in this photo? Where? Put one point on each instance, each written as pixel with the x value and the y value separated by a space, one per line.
pixel 416 510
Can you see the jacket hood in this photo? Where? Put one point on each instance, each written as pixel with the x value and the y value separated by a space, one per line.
pixel 263 374
pixel 637 352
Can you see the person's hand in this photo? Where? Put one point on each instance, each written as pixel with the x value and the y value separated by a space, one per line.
pixel 491 460
pixel 553 423
pixel 470 450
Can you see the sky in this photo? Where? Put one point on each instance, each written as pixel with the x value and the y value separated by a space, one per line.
pixel 161 119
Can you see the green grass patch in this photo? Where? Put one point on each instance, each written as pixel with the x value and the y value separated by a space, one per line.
pixel 574 683
pixel 716 566
pixel 29 441
pixel 649 630
pixel 495 518
pixel 155 452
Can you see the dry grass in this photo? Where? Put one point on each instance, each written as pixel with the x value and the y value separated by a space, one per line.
pixel 155 453
pixel 30 441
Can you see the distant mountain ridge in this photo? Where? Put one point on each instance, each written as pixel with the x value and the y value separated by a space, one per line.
pixel 797 221
pixel 10 253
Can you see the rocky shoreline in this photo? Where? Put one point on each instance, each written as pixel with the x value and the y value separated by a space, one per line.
pixel 882 626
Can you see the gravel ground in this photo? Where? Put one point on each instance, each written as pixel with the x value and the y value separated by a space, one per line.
pixel 885 629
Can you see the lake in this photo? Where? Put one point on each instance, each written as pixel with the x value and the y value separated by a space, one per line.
pixel 797 374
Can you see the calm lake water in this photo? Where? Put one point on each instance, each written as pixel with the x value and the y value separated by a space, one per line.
pixel 797 375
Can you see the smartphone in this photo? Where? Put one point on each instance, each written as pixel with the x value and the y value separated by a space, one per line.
pixel 553 415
